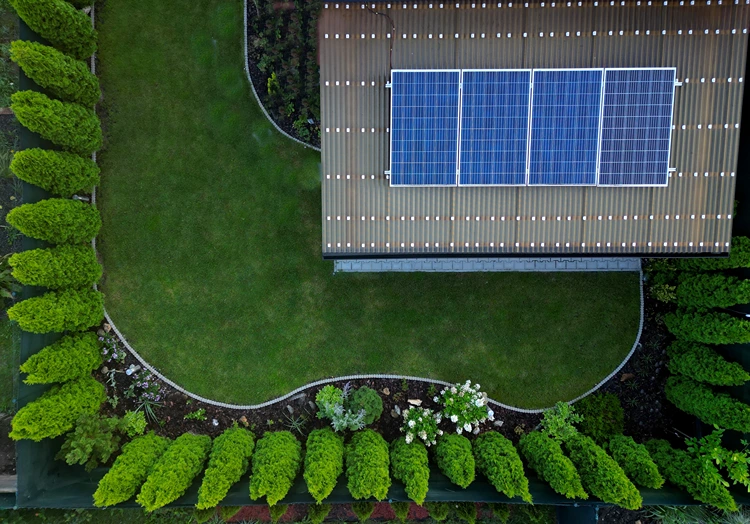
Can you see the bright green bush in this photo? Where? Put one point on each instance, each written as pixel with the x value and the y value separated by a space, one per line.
pixel 58 311
pixel 367 464
pixel 369 400
pixel 454 458
pixel 73 127
pixel 438 510
pixel 712 408
pixel 57 220
pixel 71 357
pixel 498 460
pixel 635 461
pixel 600 474
pixel 363 510
pixel 410 464
pixel 602 415
pixel 230 458
pixel 545 456
pixel 318 512
pixel 65 77
pixel 58 172
pixel 57 267
pixel 66 28
pixel 709 328
pixel 558 421
pixel 703 364
pixel 324 462
pixel 739 256
pixel 56 411
pixel 93 441
pixel 277 459
pixel 707 290
pixel 698 478
pixel 130 470
pixel 175 471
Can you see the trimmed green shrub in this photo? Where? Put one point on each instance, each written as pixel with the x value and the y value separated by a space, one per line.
pixel 276 462
pixel 367 464
pixel 363 510
pixel 175 471
pixel 707 290
pixel 58 172
pixel 57 410
pixel 57 220
pixel 600 474
pixel 74 128
pixel 635 461
pixel 227 512
pixel 65 77
pixel 230 458
pixel 66 28
pixel 93 441
pixel 401 510
pixel 130 470
pixel 277 511
pixel 703 364
pixel 438 510
pixel 57 267
pixel 699 478
pixel 498 460
pixel 739 256
pixel 602 415
pixel 454 458
pixel 369 400
pixel 318 512
pixel 709 328
pixel 466 511
pixel 718 409
pixel 545 456
pixel 71 357
pixel 410 464
pixel 324 462
pixel 58 311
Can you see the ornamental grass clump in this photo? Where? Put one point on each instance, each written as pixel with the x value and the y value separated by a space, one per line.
pixel 229 460
pixel 57 267
pixel 324 462
pixel 277 459
pixel 347 409
pixel 465 406
pixel 367 463
pixel 410 464
pixel 708 328
pixel 635 461
pixel 703 364
pixel 58 172
pixel 59 311
pixel 454 458
pixel 712 408
pixel 708 290
pixel 545 456
pixel 57 220
pixel 71 357
pixel 497 459
pixel 421 423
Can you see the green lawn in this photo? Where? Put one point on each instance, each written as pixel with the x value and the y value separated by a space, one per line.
pixel 211 247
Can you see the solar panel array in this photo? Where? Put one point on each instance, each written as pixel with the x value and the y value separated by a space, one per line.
pixel 521 127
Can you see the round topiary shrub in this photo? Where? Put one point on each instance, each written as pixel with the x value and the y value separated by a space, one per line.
pixel 58 172
pixel 59 311
pixel 57 220
pixel 57 267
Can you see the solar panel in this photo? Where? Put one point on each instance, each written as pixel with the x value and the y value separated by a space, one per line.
pixel 636 126
pixel 565 116
pixel 424 127
pixel 494 127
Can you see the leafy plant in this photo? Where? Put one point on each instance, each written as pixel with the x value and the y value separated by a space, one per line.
pixel 331 403
pixel 709 328
pixel 9 287
pixel 367 464
pixel 134 423
pixel 58 172
pixel 317 513
pixel 710 452
pixel 545 456
pixel 57 267
pixel 683 515
pixel 498 460
pixel 277 511
pixel 71 357
pixel 707 290
pixel 324 462
pixel 198 414
pixel 438 511
pixel 421 423
pixel 363 510
pixel 59 311
pixel 712 408
pixel 558 421
pixel 93 441
pixel 602 415
pixel 401 510
pixel 367 400
pixel 277 460
pixel 739 256
pixel 635 461
pixel 454 458
pixel 466 511
pixel 57 221
pixel 664 292
pixel 229 460
pixel 410 465
pixel 703 364
pixel 465 406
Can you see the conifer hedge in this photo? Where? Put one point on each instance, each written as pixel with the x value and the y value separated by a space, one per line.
pixel 709 328
pixel 709 406
pixel 635 461
pixel 367 463
pixel 708 290
pixel 229 460
pixel 58 172
pixel 57 267
pixel 410 464
pixel 498 460
pixel 276 462
pixel 454 458
pixel 71 357
pixel 545 456
pixel 324 462
pixel 739 256
pixel 57 220
pixel 703 364
pixel 59 311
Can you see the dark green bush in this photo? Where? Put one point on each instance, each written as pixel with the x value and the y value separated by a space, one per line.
pixel 709 328
pixel 466 511
pixel 635 461
pixel 175 471
pixel 600 474
pixel 739 256
pixel 58 311
pixel 58 172
pixel 454 458
pixel 545 456
pixel 57 220
pixel 277 511
pixel 73 127
pixel 713 408
pixel 707 290
pixel 57 410
pixel 276 462
pixel 57 267
pixel 363 510
pixel 65 77
pixel 66 28
pixel 410 464
pixel 498 460
pixel 369 400
pixel 93 441
pixel 80 4
pixel 367 464
pixel 438 510
pixel 318 512
pixel 500 511
pixel 227 512
pixel 202 516
pixel 602 416
pixel 401 510
pixel 71 357
pixel 130 470
pixel 324 462
pixel 229 460
pixel 703 364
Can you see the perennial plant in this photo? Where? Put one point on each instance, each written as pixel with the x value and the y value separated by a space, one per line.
pixel 465 406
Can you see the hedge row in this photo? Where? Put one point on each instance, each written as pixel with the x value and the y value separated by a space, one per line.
pixel 703 364
pixel 57 267
pixel 712 408
pixel 58 172
pixel 71 357
pixel 59 311
pixel 708 328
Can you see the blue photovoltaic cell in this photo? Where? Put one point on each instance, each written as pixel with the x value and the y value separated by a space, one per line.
pixel 565 127
pixel 424 127
pixel 494 127
pixel 636 126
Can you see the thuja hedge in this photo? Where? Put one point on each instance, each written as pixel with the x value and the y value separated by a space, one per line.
pixel 367 463
pixel 709 328
pixel 545 456
pixel 59 311
pixel 709 406
pixel 635 461
pixel 57 267
pixel 454 458
pixel 56 411
pixel 73 127
pixel 71 357
pixel 411 465
pixel 173 473
pixel 739 256
pixel 58 172
pixel 68 29
pixel 703 364
pixel 57 220
pixel 324 462
pixel 276 462
pixel 65 77
pixel 709 290
pixel 497 459
pixel 229 460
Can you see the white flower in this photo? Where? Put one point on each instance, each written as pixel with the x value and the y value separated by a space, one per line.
pixel 467 426
pixel 435 399
pixel 440 432
pixel 490 413
pixel 409 438
pixel 459 431
pixel 423 435
pixel 412 423
pixel 478 403
pixel 454 390
pixel 476 386
pixel 454 418
pixel 476 430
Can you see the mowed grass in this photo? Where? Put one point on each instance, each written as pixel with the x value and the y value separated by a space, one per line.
pixel 211 247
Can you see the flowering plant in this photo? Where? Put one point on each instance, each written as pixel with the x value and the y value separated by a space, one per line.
pixel 421 423
pixel 111 351
pixel 465 406
pixel 145 386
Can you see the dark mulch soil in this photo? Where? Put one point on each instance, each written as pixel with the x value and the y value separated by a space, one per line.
pixel 612 515
pixel 7 448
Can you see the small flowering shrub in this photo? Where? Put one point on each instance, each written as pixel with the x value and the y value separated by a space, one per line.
pixel 421 423
pixel 465 406
pixel 498 460
pixel 454 458
pixel 230 458
pixel 145 387
pixel 410 465
pixel 367 462
pixel 324 462
pixel 276 462
pixel 111 350
pixel 71 357
pixel 346 410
